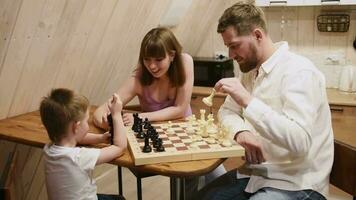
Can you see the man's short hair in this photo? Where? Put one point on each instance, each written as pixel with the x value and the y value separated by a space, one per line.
pixel 59 108
pixel 244 17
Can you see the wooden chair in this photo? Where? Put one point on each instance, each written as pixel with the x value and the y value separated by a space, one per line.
pixel 7 181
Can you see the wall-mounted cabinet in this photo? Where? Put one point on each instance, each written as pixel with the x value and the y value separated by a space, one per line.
pixel 267 3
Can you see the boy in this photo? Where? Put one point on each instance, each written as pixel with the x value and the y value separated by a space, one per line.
pixel 68 168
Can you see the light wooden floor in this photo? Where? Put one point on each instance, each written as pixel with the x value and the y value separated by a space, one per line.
pixel 156 187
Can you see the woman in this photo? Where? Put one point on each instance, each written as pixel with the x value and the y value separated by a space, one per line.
pixel 162 80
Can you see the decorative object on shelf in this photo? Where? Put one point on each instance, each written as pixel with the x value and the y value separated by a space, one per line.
pixel 333 22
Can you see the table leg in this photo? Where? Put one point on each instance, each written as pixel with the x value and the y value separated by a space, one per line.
pixel 119 178
pixel 139 188
pixel 177 186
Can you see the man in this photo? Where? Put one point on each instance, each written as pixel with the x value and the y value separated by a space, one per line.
pixel 277 110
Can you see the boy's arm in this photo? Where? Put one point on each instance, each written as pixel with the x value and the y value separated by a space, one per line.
pixel 93 138
pixel 127 92
pixel 120 141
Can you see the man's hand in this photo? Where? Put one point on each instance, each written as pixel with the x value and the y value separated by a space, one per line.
pixel 252 146
pixel 235 89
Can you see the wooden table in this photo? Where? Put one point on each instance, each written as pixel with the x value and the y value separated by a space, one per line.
pixel 28 129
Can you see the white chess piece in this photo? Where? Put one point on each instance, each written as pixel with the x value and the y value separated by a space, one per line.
pixel 170 129
pixel 226 143
pixel 203 131
pixel 209 100
pixel 202 115
pixel 190 129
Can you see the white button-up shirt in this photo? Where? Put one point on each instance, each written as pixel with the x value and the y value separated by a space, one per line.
pixel 291 116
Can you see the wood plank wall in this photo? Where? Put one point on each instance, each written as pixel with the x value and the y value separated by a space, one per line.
pixel 91 46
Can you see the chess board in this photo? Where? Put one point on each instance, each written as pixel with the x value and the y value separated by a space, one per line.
pixel 178 146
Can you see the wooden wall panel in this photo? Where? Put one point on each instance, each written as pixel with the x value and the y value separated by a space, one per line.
pixel 17 52
pixel 9 10
pixel 30 79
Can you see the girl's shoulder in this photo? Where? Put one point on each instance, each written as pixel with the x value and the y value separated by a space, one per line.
pixel 186 57
pixel 187 61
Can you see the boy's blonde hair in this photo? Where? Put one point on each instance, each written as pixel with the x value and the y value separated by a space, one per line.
pixel 59 108
pixel 244 17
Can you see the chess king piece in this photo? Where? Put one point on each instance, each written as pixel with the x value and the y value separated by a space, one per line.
pixel 209 100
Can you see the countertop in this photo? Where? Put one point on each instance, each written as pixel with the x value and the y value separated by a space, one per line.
pixel 335 96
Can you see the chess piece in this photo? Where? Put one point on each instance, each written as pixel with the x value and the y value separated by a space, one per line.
pixel 170 130
pixel 210 140
pixel 111 128
pixel 147 148
pixel 140 134
pixel 160 146
pixel 202 115
pixel 226 143
pixel 209 100
pixel 146 124
pixel 135 124
pixel 190 130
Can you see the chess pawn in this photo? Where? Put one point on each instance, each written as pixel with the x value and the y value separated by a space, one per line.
pixel 147 148
pixel 190 129
pixel 209 100
pixel 226 143
pixel 146 124
pixel 204 132
pixel 202 115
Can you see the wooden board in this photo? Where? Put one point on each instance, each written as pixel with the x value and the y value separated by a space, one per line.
pixel 178 147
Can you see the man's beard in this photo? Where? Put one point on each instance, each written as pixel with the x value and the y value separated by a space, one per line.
pixel 250 62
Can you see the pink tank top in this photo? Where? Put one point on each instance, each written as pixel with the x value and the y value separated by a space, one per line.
pixel 148 104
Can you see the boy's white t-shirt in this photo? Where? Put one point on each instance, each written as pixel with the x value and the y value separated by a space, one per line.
pixel 69 172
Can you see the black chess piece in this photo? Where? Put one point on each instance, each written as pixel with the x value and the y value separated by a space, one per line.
pixel 136 122
pixel 155 142
pixel 111 128
pixel 146 124
pixel 147 148
pixel 140 134
pixel 160 146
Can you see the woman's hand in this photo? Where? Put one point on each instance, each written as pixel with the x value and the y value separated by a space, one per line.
pixel 128 119
pixel 105 137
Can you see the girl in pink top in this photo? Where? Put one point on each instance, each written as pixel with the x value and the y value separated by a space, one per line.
pixel 162 80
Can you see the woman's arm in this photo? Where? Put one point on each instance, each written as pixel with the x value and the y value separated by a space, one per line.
pixel 183 96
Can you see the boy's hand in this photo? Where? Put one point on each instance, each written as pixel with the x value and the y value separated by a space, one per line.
pixel 115 105
pixel 106 137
